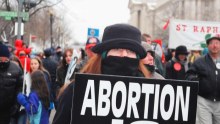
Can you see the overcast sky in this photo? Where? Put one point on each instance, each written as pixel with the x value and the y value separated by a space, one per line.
pixel 80 15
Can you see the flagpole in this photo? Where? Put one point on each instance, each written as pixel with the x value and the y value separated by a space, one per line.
pixel 30 39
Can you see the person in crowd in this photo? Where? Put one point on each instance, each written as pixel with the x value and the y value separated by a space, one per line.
pixel 10 85
pixel 62 70
pixel 11 49
pixel 149 61
pixel 205 51
pixel 16 60
pixel 194 54
pixel 83 53
pixel 147 38
pixel 155 47
pixel 58 54
pixel 176 68
pixel 22 57
pixel 38 102
pixel 120 53
pixel 90 43
pixel 36 64
pixel 50 65
pixel 206 70
pixel 170 54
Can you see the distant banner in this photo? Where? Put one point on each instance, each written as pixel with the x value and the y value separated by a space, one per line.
pixel 192 34
pixel 102 99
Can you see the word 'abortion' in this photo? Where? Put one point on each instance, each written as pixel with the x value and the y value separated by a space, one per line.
pixel 107 100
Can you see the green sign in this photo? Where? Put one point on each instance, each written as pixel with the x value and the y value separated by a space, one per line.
pixel 9 14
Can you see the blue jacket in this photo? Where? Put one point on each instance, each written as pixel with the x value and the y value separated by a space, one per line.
pixel 37 113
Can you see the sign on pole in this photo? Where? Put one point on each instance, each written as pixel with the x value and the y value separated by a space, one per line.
pixel 9 14
pixel 16 28
pixel 103 99
pixel 192 34
pixel 92 32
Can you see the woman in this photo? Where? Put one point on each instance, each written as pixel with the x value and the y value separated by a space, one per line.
pixel 62 70
pixel 38 102
pixel 149 61
pixel 36 64
pixel 118 54
pixel 176 68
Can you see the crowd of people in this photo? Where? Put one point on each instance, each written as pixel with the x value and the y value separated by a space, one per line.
pixel 122 51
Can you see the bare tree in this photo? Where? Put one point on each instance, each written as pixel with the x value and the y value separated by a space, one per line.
pixel 33 9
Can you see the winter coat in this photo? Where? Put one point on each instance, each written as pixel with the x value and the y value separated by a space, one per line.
pixel 63 112
pixel 174 73
pixel 36 111
pixel 10 85
pixel 205 71
pixel 50 65
pixel 61 75
pixel 156 75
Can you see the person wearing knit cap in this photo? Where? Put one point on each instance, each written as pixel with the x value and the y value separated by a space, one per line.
pixel 119 53
pixel 10 85
pixel 176 68
pixel 206 70
pixel 149 61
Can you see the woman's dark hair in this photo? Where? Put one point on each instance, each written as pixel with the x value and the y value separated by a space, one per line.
pixel 39 85
pixel 64 63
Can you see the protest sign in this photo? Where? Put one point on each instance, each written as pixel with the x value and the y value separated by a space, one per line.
pixel 192 34
pixel 105 99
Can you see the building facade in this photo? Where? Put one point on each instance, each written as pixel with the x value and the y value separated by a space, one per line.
pixel 151 19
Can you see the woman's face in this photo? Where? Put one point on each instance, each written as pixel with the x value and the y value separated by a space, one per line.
pixel 68 57
pixel 149 59
pixel 34 65
pixel 122 53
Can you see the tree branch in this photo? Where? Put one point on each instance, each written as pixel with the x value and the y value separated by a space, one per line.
pixel 46 6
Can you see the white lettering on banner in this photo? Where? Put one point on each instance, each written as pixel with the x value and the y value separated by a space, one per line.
pixel 192 34
pixel 119 87
pixel 104 98
pixel 132 101
pixel 180 100
pixel 167 90
pixel 156 101
pixel 147 89
pixel 119 121
pixel 89 103
pixel 163 96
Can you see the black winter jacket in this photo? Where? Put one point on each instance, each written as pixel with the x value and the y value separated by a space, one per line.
pixel 171 73
pixel 10 85
pixel 205 71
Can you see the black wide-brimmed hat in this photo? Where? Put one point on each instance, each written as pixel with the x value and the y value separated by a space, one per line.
pixel 121 36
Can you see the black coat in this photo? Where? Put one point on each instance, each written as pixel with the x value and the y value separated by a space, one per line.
pixel 63 115
pixel 10 85
pixel 205 71
pixel 51 66
pixel 172 73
